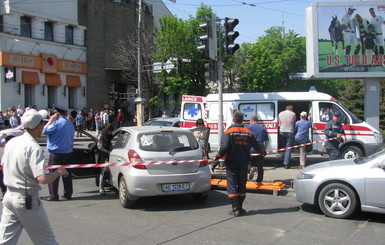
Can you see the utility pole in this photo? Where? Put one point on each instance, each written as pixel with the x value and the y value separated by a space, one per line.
pixel 139 100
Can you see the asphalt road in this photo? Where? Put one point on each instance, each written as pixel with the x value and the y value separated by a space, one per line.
pixel 93 219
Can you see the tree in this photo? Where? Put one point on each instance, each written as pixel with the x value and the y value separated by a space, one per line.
pixel 179 38
pixel 267 64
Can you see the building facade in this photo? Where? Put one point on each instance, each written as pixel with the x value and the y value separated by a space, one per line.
pixel 42 54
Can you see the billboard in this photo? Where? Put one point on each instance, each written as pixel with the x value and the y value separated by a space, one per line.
pixel 345 39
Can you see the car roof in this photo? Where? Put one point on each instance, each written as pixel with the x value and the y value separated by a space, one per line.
pixel 141 129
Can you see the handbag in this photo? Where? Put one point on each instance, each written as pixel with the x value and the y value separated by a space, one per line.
pixel 308 148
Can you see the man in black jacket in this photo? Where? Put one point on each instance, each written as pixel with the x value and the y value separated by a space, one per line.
pixel 235 145
pixel 334 129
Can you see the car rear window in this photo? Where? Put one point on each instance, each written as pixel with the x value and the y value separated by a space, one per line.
pixel 158 123
pixel 167 141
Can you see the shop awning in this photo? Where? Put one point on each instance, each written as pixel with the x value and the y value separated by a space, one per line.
pixel 52 79
pixel 30 77
pixel 73 81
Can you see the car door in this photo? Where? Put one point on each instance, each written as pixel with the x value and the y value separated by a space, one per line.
pixel 118 153
pixel 84 152
pixel 374 188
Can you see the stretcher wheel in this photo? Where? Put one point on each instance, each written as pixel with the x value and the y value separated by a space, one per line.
pixel 275 193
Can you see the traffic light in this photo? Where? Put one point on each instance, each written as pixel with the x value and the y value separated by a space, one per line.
pixel 204 39
pixel 211 71
pixel 231 35
pixel 116 95
pixel 110 95
pixel 209 39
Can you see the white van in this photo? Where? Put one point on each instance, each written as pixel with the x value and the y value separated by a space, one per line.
pixel 362 139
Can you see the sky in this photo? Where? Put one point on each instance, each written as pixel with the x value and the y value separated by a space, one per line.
pixel 255 16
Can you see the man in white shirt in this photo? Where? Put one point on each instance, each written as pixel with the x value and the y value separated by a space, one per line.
pixel 349 31
pixel 377 22
pixel 24 170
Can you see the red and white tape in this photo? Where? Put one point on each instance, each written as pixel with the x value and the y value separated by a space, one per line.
pixel 292 147
pixel 102 165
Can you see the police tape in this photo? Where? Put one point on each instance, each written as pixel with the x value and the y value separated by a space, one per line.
pixel 135 164
pixel 296 146
pixel 149 163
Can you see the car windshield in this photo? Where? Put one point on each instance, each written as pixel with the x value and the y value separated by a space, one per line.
pixel 158 123
pixel 167 141
pixel 362 160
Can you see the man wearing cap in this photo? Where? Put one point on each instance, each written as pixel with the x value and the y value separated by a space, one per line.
pixel 334 129
pixel 301 128
pixel 60 141
pixel 377 22
pixel 24 169
pixel 349 31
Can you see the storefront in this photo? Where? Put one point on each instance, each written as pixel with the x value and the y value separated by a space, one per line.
pixel 41 80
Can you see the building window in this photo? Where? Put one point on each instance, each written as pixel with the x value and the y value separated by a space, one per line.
pixel 69 35
pixel 25 27
pixel 48 31
pixel 1 23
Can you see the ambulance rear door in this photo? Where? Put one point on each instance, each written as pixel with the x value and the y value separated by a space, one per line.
pixel 193 108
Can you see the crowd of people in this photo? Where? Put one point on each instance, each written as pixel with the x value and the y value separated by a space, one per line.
pixel 84 119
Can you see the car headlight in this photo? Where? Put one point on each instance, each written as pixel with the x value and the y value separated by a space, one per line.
pixel 305 176
pixel 378 137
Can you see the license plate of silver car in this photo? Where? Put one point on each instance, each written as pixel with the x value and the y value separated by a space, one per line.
pixel 175 187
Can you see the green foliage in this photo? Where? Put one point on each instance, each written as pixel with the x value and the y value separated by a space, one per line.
pixel 353 97
pixel 266 65
pixel 179 38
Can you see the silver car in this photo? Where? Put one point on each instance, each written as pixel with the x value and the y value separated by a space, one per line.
pixel 158 144
pixel 340 187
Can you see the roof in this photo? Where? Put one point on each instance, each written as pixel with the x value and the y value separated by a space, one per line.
pixel 295 96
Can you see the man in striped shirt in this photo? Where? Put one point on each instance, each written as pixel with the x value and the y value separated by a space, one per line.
pixel 286 130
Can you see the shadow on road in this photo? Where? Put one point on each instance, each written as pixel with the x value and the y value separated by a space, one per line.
pixel 274 210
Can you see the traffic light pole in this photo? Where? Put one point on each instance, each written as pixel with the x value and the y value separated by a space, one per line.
pixel 220 87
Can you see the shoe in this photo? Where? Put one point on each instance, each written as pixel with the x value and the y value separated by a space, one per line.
pixel 102 192
pixel 66 197
pixel 287 166
pixel 301 167
pixel 50 199
pixel 252 172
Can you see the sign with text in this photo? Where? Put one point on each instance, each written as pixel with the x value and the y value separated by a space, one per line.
pixel 345 39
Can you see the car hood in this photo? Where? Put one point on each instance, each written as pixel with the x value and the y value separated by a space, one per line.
pixel 331 165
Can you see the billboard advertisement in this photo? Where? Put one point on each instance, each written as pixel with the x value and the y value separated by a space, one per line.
pixel 345 39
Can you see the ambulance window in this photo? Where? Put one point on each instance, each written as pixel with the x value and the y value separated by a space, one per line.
pixel 192 111
pixel 327 110
pixel 213 109
pixel 264 111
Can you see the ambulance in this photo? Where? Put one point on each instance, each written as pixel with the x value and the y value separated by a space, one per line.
pixel 362 139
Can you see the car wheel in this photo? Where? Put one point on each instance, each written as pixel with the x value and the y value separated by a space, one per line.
pixel 123 194
pixel 351 151
pixel 337 201
pixel 200 197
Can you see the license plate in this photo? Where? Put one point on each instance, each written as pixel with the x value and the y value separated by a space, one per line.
pixel 175 187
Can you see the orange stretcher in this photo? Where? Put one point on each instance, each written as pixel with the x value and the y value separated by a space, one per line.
pixel 276 187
